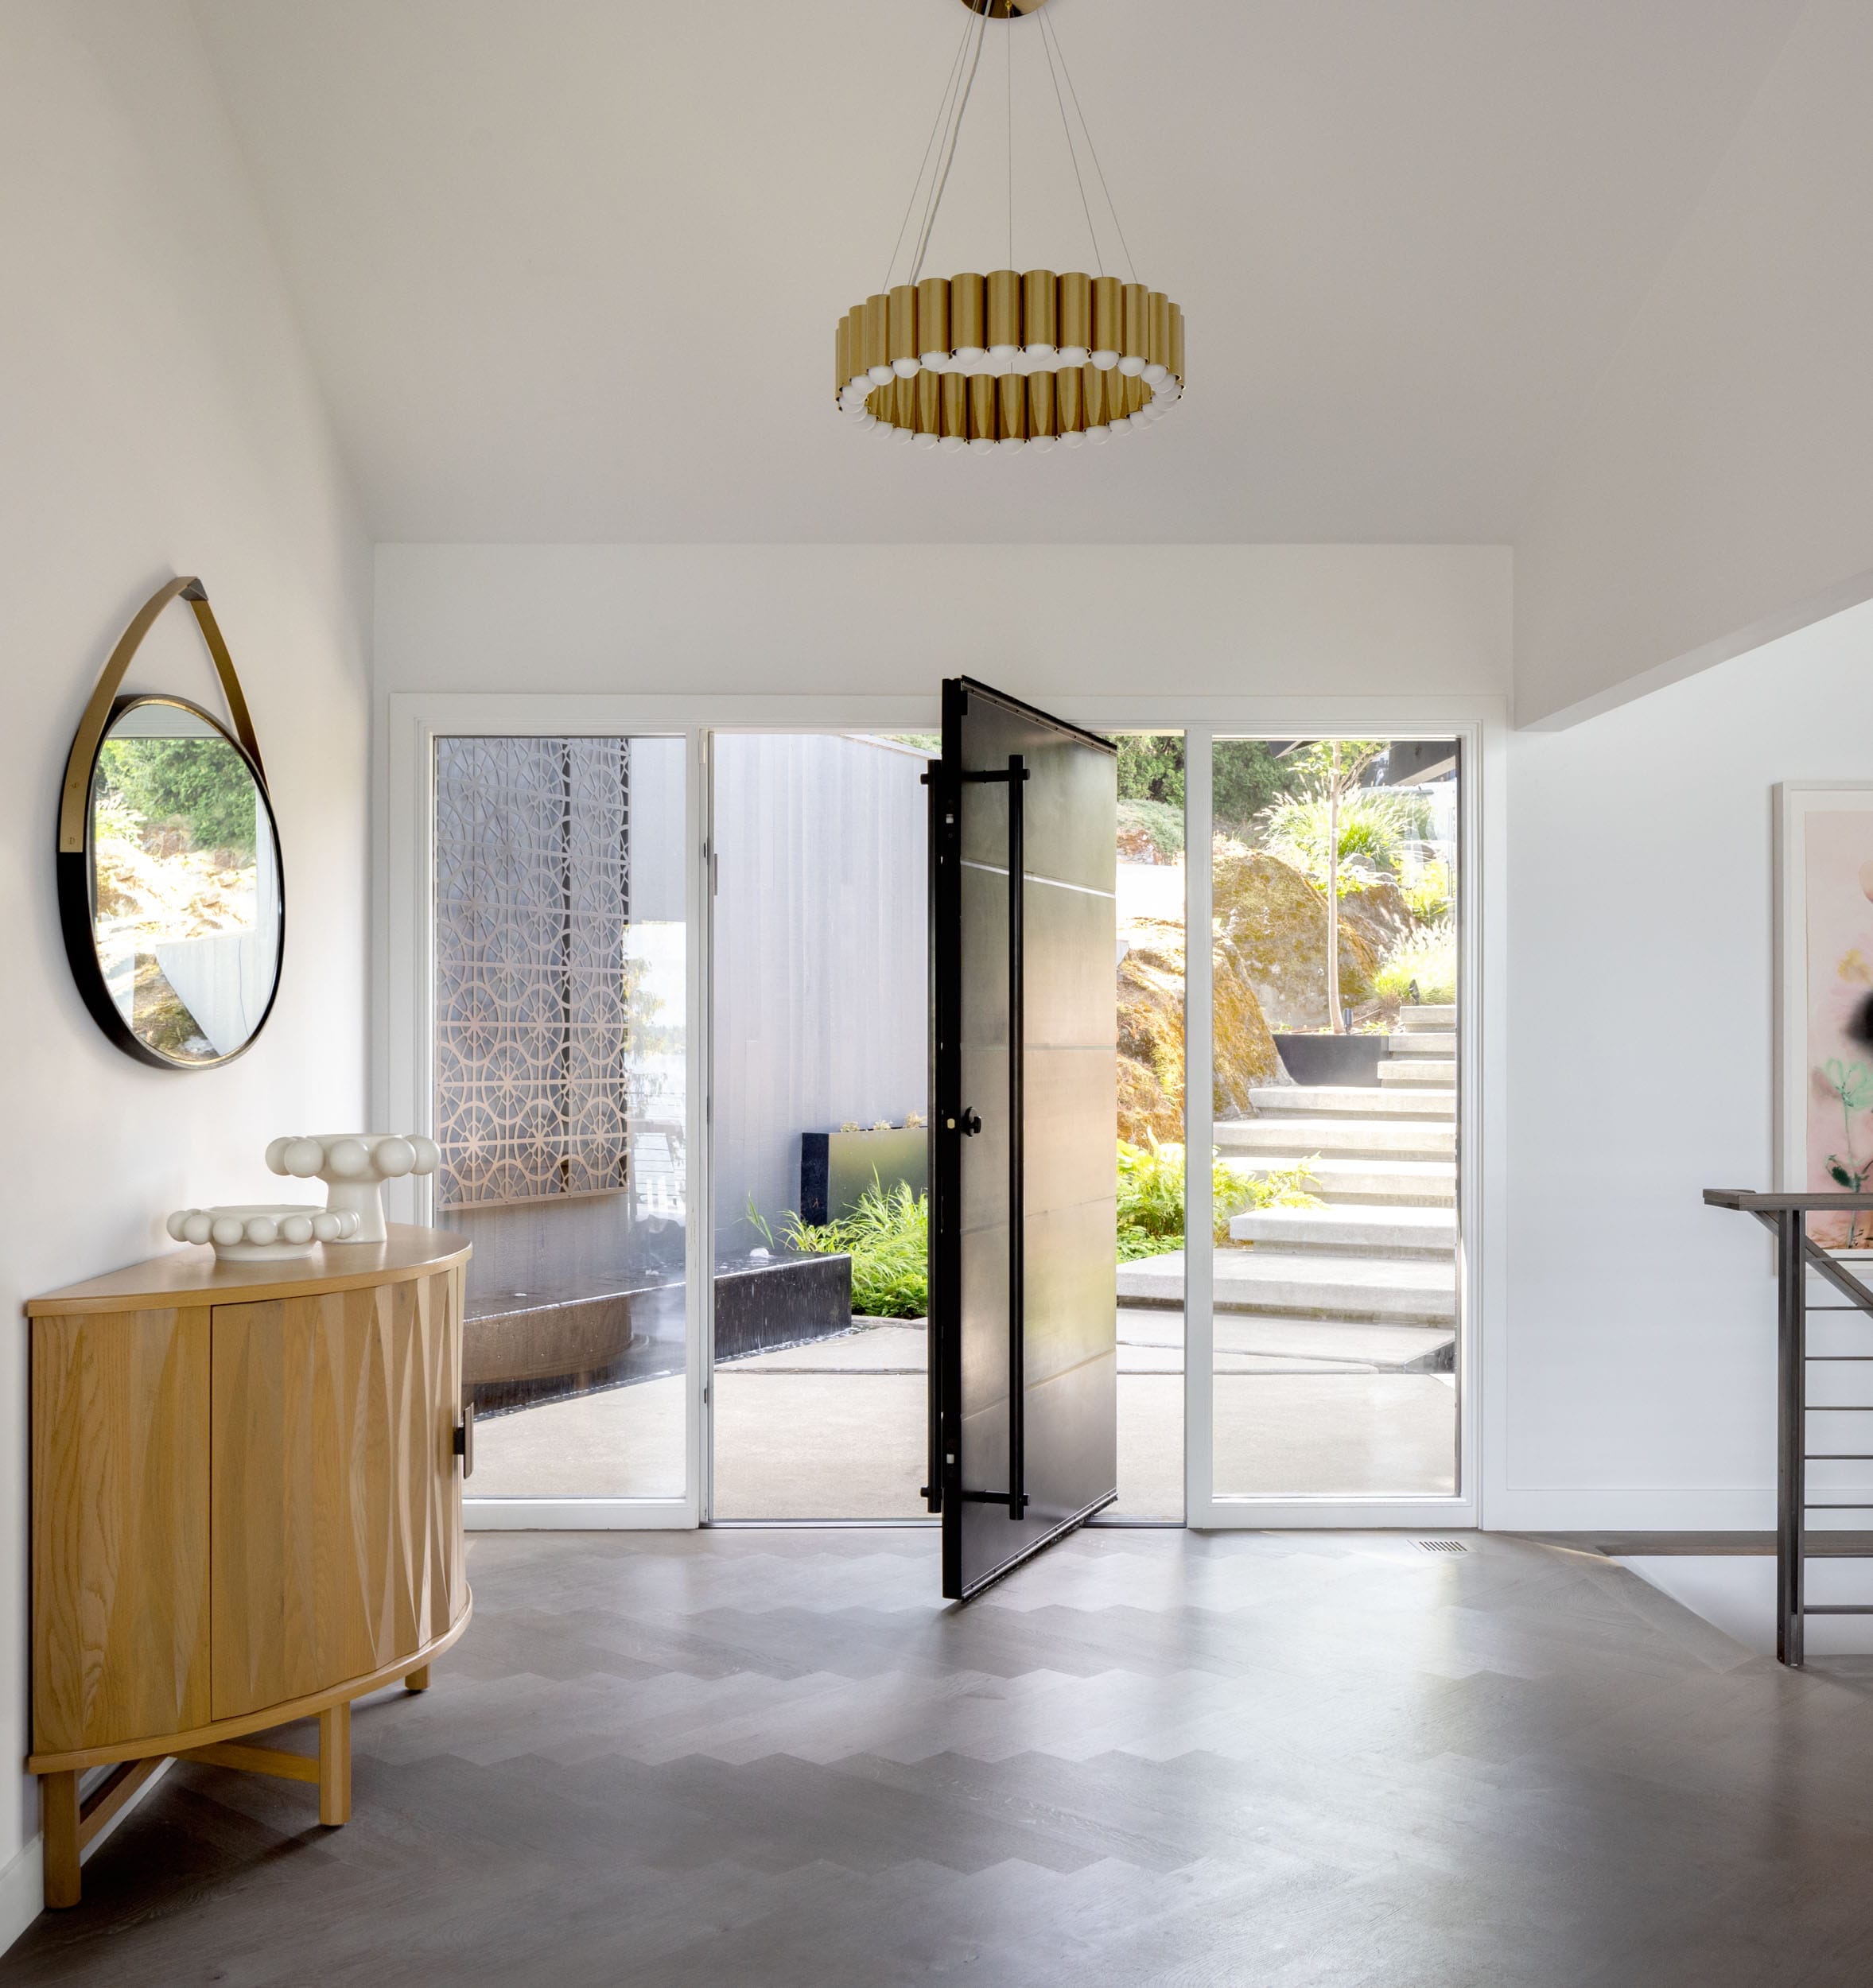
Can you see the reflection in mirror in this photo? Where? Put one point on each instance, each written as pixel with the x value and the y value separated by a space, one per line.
pixel 185 883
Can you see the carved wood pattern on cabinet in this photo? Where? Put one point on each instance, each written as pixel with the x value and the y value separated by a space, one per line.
pixel 120 1523
pixel 246 1509
pixel 335 1516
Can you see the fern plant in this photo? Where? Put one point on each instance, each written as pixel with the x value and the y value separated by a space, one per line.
pixel 888 1238
pixel 1151 1182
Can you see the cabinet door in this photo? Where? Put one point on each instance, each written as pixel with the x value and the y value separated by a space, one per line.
pixel 337 1505
pixel 120 1527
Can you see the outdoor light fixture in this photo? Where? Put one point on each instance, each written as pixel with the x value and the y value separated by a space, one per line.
pixel 1015 359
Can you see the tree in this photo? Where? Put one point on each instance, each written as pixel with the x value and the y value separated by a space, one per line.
pixel 202 783
pixel 1247 775
pixel 1329 771
pixel 1151 766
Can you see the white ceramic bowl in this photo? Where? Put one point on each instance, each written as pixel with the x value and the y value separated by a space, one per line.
pixel 262 1233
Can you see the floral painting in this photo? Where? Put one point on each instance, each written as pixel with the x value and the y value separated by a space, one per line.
pixel 1838 894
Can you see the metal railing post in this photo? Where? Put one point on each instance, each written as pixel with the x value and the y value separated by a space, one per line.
pixel 1792 1431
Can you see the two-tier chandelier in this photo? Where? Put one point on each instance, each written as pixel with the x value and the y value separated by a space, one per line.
pixel 1015 359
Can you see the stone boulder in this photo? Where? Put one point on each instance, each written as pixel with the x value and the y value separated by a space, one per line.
pixel 1271 925
pixel 1379 913
pixel 1151 1053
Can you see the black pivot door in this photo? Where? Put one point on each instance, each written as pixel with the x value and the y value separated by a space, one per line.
pixel 1023 1370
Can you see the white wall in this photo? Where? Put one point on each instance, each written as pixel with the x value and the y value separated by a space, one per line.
pixel 1633 1382
pixel 820 963
pixel 157 416
pixel 1718 491
pixel 1042 621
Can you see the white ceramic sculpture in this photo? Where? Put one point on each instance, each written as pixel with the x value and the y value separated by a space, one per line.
pixel 353 1167
pixel 259 1232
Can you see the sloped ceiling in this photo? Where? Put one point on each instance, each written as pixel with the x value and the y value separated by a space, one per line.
pixel 569 269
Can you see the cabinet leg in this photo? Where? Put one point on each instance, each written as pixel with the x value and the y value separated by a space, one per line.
pixel 335 1765
pixel 58 1820
pixel 417 1680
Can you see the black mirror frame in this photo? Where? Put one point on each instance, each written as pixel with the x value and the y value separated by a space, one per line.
pixel 76 886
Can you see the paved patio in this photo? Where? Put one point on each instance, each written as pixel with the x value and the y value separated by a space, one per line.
pixel 835 1430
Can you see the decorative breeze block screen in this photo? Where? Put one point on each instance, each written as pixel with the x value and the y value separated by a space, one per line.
pixel 532 912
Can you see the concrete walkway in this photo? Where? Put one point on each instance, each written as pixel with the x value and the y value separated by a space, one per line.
pixel 835 1430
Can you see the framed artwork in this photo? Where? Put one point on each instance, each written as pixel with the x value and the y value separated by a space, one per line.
pixel 1824 1019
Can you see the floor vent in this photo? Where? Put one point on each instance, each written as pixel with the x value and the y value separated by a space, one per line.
pixel 1440 1545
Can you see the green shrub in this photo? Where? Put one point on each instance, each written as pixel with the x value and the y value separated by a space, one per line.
pixel 1429 900
pixel 888 1237
pixel 1373 824
pixel 1429 958
pixel 1160 822
pixel 1151 1197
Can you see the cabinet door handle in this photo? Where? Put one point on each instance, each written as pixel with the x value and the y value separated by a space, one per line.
pixel 464 1439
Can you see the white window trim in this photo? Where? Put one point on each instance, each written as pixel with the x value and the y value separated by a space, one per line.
pixel 402 1043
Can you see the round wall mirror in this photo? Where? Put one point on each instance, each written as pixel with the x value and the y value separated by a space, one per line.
pixel 170 889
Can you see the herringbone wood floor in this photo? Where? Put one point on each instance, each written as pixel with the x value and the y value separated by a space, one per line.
pixel 1252 1760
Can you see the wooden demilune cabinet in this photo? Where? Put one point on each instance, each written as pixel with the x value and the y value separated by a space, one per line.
pixel 246 1509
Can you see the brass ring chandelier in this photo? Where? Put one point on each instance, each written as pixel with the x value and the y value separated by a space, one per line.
pixel 1015 359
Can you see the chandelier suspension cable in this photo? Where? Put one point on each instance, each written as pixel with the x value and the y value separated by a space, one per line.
pixel 1073 154
pixel 1011 145
pixel 934 192
pixel 1045 27
pixel 942 180
pixel 936 126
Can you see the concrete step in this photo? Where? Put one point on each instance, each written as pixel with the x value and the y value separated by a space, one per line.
pixel 1420 1070
pixel 1427 1015
pixel 1363 1232
pixel 1351 1100
pixel 1254 1342
pixel 1423 1042
pixel 1354 1182
pixel 1389 1290
pixel 1398 1137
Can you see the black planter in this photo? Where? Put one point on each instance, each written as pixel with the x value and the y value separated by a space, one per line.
pixel 837 1167
pixel 1338 1062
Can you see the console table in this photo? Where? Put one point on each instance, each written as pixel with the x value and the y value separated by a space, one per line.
pixel 246 1509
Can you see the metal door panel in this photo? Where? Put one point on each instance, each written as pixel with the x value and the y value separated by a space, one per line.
pixel 1066 791
pixel 1065 1168
pixel 1023 1306
pixel 1071 991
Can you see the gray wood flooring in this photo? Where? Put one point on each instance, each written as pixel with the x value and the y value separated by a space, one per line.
pixel 1323 1760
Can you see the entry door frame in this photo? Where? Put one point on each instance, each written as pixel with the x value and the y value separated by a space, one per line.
pixel 400 1031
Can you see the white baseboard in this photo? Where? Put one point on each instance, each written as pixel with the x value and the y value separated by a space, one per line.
pixel 22 1884
pixel 577 1515
pixel 22 1891
pixel 1566 1509
pixel 1738 1595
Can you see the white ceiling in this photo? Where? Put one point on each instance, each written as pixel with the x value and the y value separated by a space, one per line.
pixel 569 269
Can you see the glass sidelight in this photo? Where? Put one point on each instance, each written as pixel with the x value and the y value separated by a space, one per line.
pixel 559 956
pixel 819 967
pixel 1334 884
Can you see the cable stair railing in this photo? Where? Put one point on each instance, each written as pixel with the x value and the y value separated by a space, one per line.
pixel 1797 1254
